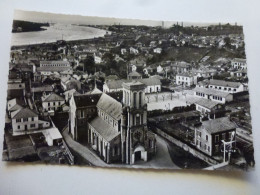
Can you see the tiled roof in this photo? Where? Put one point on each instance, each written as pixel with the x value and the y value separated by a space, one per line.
pixel 239 60
pixel 23 113
pixel 186 74
pixel 104 129
pixel 224 83
pixel 117 84
pixel 53 97
pixel 52 69
pixel 206 103
pixel 110 106
pixel 210 91
pixel 218 125
pixel 55 62
pixel 42 88
pixel 134 74
pixel 85 100
pixel 150 81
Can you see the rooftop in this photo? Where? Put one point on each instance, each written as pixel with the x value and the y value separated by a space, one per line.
pixel 104 129
pixel 206 103
pixel 210 91
pixel 85 100
pixel 52 97
pixel 110 106
pixel 23 113
pixel 218 125
pixel 224 83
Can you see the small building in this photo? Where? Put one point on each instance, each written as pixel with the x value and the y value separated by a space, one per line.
pixel 208 137
pixel 52 102
pixel 186 79
pixel 52 136
pixel 26 120
pixel 134 75
pixel 226 86
pixel 157 50
pixel 181 67
pixel 239 63
pixel 68 83
pixel 212 94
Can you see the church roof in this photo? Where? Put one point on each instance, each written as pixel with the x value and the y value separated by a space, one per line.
pixel 104 129
pixel 85 100
pixel 110 106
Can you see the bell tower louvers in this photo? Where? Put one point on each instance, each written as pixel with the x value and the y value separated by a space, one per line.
pixel 137 142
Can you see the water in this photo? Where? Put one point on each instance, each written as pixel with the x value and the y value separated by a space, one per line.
pixel 56 32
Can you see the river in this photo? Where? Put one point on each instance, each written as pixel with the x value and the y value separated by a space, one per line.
pixel 56 32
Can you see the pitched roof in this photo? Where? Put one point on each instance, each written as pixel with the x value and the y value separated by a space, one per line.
pixel 218 125
pixel 134 74
pixel 85 100
pixel 224 83
pixel 210 91
pixel 42 88
pixel 55 62
pixel 52 69
pixel 186 74
pixel 110 106
pixel 151 81
pixel 104 129
pixel 206 103
pixel 23 113
pixel 52 97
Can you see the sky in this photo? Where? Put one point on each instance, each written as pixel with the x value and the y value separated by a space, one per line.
pixel 92 20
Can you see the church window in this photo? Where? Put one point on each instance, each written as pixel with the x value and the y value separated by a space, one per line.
pixel 135 94
pixel 140 99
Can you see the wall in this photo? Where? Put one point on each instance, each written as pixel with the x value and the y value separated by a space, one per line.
pixel 184 146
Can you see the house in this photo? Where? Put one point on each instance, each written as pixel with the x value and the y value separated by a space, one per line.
pixel 40 90
pixel 98 58
pixel 226 86
pixel 24 121
pixel 109 133
pixel 82 109
pixel 51 67
pixel 238 73
pixel 14 104
pixel 157 50
pixel 153 85
pixel 208 107
pixel 239 63
pixel 134 75
pixel 16 89
pixel 186 79
pixel 208 137
pixel 123 51
pixel 160 69
pixel 52 102
pixel 68 83
pixel 212 94
pixel 133 51
pixel 181 67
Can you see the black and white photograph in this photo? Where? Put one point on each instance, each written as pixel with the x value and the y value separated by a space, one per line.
pixel 127 93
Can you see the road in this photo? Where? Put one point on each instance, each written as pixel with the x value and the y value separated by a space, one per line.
pixel 161 160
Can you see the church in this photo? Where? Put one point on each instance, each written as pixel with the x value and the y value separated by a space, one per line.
pixel 118 132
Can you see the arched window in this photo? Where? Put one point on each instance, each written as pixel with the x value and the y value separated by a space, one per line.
pixel 140 99
pixel 135 103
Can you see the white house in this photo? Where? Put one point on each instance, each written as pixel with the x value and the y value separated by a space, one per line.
pixel 133 51
pixel 239 63
pixel 226 86
pixel 25 120
pixel 157 50
pixel 186 79
pixel 52 102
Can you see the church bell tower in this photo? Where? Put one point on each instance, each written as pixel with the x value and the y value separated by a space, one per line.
pixel 134 133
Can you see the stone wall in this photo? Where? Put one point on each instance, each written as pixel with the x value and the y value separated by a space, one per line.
pixel 195 152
